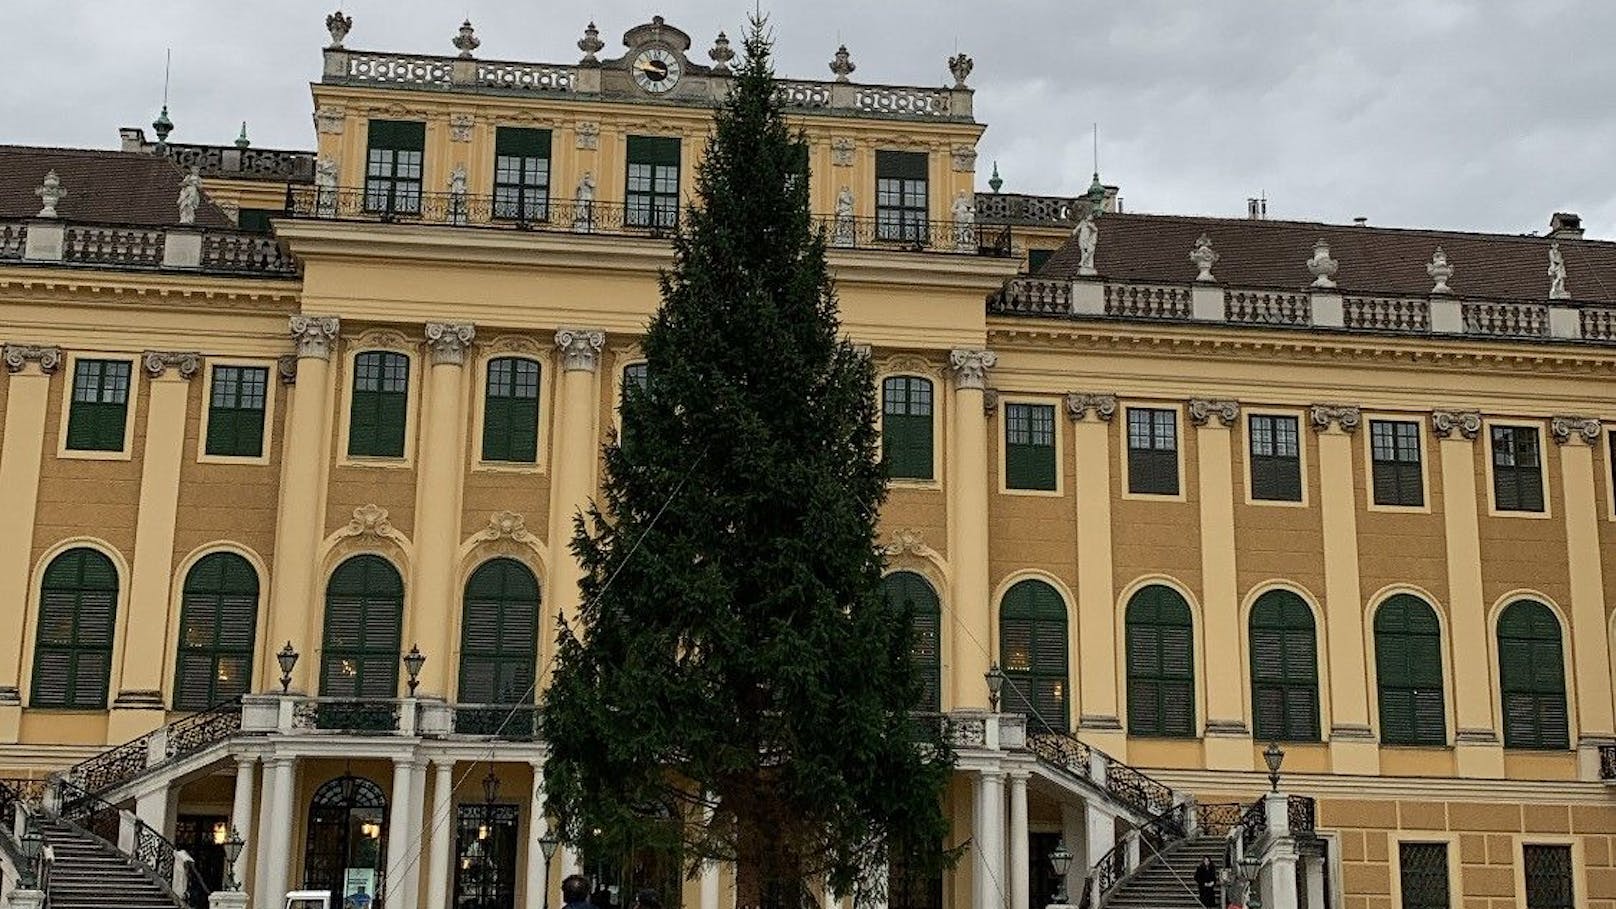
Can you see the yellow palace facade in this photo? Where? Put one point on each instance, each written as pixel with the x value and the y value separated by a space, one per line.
pixel 292 442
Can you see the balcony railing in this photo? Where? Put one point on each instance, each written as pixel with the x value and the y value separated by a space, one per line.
pixel 516 723
pixel 176 247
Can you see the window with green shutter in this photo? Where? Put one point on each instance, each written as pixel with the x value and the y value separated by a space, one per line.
pixel 1152 451
pixel 99 412
pixel 906 427
pixel 1394 450
pixel 1548 871
pixel 1408 667
pixel 1422 871
pixel 511 411
pixel 911 593
pixel 364 612
pixel 499 637
pixel 380 405
pixel 1517 469
pixel 1276 458
pixel 635 379
pixel 1032 653
pixel 78 604
pixel 236 411
pixel 218 626
pixel 521 174
pixel 1532 677
pixel 393 165
pixel 797 176
pixel 1161 664
pixel 1284 669
pixel 652 200
pixel 1029 446
pixel 901 191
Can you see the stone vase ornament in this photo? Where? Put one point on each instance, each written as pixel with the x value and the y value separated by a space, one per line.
pixel 960 67
pixel 466 40
pixel 50 193
pixel 339 26
pixel 842 64
pixel 1322 267
pixel 591 44
pixel 1440 271
pixel 1204 257
pixel 721 53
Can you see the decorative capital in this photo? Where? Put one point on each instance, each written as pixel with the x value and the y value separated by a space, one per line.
pixel 580 348
pixel 1080 406
pixel 313 335
pixel 330 119
pixel 970 367
pixel 1345 417
pixel 1445 422
pixel 448 341
pixel 18 356
pixel 990 401
pixel 286 365
pixel 1567 430
pixel 1202 410
pixel 157 362
pixel 506 525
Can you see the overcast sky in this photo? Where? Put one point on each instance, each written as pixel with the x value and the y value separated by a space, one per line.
pixel 1482 114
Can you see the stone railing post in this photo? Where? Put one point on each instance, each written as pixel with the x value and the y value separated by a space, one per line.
pixel 1088 297
pixel 45 242
pixel 182 247
pixel 1099 767
pixel 1328 311
pixel 336 62
pixel 157 746
pixel 126 832
pixel 1277 805
pixel 183 863
pixel 227 899
pixel 408 712
pixel 1192 819
pixel 260 712
pixel 1447 316
pixel 1565 322
pixel 1206 303
pixel 25 899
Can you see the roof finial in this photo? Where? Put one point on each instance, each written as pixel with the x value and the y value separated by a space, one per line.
pixel 162 126
pixel 242 141
pixel 995 181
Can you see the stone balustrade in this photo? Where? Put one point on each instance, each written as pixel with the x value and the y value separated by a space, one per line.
pixel 48 241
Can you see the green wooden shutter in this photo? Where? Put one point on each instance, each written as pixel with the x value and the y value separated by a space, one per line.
pixel 1152 451
pixel 1408 668
pixel 364 607
pixel 511 411
pixel 1033 654
pixel 1284 668
pixel 218 626
pixel 912 594
pixel 499 634
pixel 1532 677
pixel 1274 451
pixel 1161 664
pixel 236 411
pixel 1029 446
pixel 906 427
pixel 380 407
pixel 99 411
pixel 78 602
pixel 1517 469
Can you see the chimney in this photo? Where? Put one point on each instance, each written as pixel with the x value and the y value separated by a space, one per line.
pixel 132 139
pixel 1257 208
pixel 1565 225
pixel 1360 221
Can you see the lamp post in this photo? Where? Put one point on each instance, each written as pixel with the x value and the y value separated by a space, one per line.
pixel 230 840
pixel 1273 756
pixel 995 679
pixel 1060 861
pixel 547 847
pixel 288 660
pixel 32 845
pixel 1250 893
pixel 412 665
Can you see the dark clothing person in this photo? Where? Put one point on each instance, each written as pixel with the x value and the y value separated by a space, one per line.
pixel 647 899
pixel 1206 883
pixel 575 892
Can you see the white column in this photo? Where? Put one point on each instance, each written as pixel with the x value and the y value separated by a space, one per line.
pixel 993 798
pixel 437 875
pixel 538 870
pixel 280 778
pixel 151 807
pixel 709 867
pixel 1099 835
pixel 1073 838
pixel 1020 882
pixel 981 871
pixel 1279 877
pixel 403 822
pixel 241 813
pixel 1315 883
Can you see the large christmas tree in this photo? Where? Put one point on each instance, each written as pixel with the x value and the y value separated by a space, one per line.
pixel 735 686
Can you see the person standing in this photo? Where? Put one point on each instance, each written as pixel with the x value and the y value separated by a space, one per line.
pixel 1206 883
pixel 574 892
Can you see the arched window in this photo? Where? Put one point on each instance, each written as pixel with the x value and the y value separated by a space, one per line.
pixel 1032 653
pixel 511 411
pixel 1408 665
pixel 1531 672
pixel 364 609
pixel 218 624
pixel 78 605
pixel 1284 669
pixel 347 836
pixel 906 427
pixel 499 634
pixel 909 591
pixel 1161 664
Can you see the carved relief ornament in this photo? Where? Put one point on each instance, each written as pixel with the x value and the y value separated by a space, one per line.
pixel 1567 430
pixel 1081 406
pixel 580 348
pixel 371 521
pixel 970 367
pixel 1345 417
pixel 448 341
pixel 460 126
pixel 1445 422
pixel 157 362
pixel 286 365
pixel 1202 410
pixel 841 151
pixel 587 135
pixel 313 335
pixel 330 120
pixel 506 525
pixel 18 356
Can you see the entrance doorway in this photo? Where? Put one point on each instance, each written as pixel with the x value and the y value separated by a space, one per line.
pixel 1042 878
pixel 485 850
pixel 347 841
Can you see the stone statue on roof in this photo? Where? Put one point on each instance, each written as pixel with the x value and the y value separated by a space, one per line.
pixel 190 196
pixel 583 208
pixel 50 192
pixel 1088 239
pixel 965 221
pixel 842 231
pixel 1557 274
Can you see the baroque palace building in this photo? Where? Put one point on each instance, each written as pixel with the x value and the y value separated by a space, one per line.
pixel 292 441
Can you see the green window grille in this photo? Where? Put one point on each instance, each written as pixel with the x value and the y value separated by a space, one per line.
pixel 380 405
pixel 236 411
pixel 1029 446
pixel 1394 449
pixel 1152 451
pixel 1423 873
pixel 1517 469
pixel 364 610
pixel 99 413
pixel 1284 669
pixel 1276 458
pixel 511 411
pixel 521 174
pixel 78 604
pixel 652 200
pixel 906 427
pixel 393 162
pixel 218 626
pixel 1161 664
pixel 1532 677
pixel 499 636
pixel 1033 654
pixel 911 593
pixel 902 209
pixel 1408 665
pixel 1548 876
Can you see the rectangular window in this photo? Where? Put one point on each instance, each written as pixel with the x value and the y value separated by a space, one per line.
pixel 100 409
pixel 380 405
pixel 393 166
pixel 1517 470
pixel 521 174
pixel 635 376
pixel 1423 873
pixel 653 183
pixel 1029 446
pixel 1152 451
pixel 1394 454
pixel 1036 259
pixel 1276 458
pixel 901 206
pixel 236 411
pixel 511 411
pixel 1548 877
pixel 798 175
pixel 256 220
pixel 906 427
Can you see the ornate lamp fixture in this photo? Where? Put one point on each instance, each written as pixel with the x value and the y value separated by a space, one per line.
pixel 287 658
pixel 1060 861
pixel 412 665
pixel 227 837
pixel 32 845
pixel 1273 756
pixel 547 847
pixel 995 678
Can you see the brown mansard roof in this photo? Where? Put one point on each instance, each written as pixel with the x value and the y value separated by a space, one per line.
pixel 108 187
pixel 1373 260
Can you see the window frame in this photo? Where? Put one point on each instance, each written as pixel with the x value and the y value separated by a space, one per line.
pixel 897 165
pixel 1567 681
pixel 1543 459
pixel 1579 885
pixel 1067 719
pixel 271 387
pixel 390 182
pixel 215 651
pixel 327 652
pixel 1059 454
pixel 1248 416
pixel 500 659
pixel 1450 842
pixel 933 440
pixel 933 670
pixel 1320 673
pixel 520 349
pixel 527 195
pixel 1194 678
pixel 1181 439
pixel 114 649
pixel 658 201
pixel 480 424
pixel 379 342
pixel 1426 452
pixel 131 408
pixel 1373 633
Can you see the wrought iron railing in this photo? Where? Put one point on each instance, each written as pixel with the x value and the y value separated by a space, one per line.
pixel 147 846
pixel 1607 762
pixel 1113 868
pixel 1064 752
pixel 1218 818
pixel 1253 825
pixel 512 722
pixel 184 737
pixel 15 791
pixel 359 715
pixel 1301 812
pixel 200 731
pixel 1133 788
pixel 968 238
pixel 113 767
pixel 1125 784
pixel 96 815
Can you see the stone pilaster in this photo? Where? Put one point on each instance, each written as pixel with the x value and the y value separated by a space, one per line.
pixel 1092 414
pixel 1596 715
pixel 967 485
pixel 574 454
pixel 29 368
pixel 1228 737
pixel 437 500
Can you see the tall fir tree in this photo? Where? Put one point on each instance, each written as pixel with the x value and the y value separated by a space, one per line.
pixel 735 685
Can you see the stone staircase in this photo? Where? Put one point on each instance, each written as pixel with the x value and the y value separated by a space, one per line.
pixel 1167 881
pixel 87 873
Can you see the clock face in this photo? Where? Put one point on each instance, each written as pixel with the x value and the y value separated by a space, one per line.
pixel 656 69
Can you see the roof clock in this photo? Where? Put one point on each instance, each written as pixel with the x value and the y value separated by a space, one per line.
pixel 655 56
pixel 656 69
